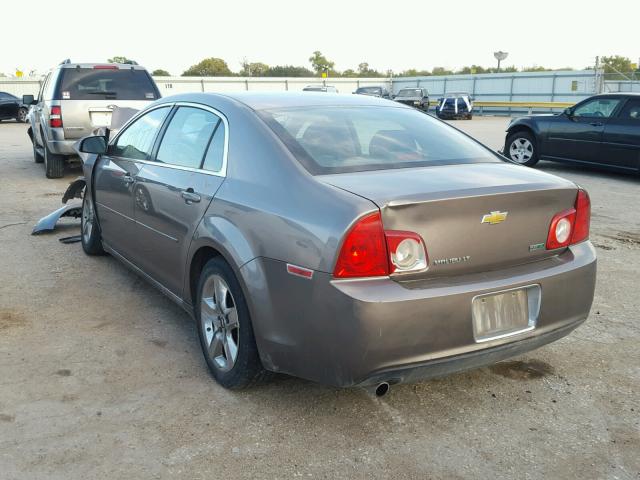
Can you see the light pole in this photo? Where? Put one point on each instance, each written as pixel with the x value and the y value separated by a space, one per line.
pixel 500 55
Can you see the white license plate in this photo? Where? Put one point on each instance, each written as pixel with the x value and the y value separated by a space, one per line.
pixel 416 103
pixel 505 313
pixel 100 119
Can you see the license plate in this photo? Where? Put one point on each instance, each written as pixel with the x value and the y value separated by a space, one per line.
pixel 416 103
pixel 501 314
pixel 100 119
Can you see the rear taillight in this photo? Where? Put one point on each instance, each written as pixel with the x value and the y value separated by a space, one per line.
pixel 370 251
pixel 55 117
pixel 570 226
pixel 406 251
pixel 583 218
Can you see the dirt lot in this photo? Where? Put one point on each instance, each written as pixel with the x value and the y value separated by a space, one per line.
pixel 102 377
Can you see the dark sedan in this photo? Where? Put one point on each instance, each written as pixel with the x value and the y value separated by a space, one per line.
pixel 344 239
pixel 414 97
pixel 603 130
pixel 11 107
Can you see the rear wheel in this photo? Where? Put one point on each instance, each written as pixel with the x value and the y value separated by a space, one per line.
pixel 53 164
pixel 224 328
pixel 22 115
pixel 90 231
pixel 521 148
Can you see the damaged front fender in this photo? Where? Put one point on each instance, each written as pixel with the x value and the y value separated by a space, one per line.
pixel 74 190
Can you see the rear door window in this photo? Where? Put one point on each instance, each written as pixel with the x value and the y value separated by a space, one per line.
pixel 631 111
pixel 187 137
pixel 105 84
pixel 137 140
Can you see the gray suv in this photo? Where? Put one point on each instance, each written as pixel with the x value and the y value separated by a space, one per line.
pixel 77 98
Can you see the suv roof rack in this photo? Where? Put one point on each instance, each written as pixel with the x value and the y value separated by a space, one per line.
pixel 64 62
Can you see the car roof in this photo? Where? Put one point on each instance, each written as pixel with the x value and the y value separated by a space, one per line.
pixel 275 100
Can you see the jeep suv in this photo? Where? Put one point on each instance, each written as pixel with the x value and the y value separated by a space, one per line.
pixel 77 98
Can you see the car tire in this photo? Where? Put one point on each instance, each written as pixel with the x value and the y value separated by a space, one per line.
pixel 90 235
pixel 37 157
pixel 53 164
pixel 22 115
pixel 225 330
pixel 521 148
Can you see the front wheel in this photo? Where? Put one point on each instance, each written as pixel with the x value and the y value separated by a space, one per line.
pixel 91 237
pixel 225 329
pixel 521 148
pixel 22 115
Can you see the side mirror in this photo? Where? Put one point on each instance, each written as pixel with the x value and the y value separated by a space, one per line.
pixel 568 112
pixel 96 145
pixel 28 100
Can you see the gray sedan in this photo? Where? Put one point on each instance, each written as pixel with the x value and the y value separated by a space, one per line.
pixel 347 239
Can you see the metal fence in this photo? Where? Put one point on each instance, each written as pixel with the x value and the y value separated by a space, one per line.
pixel 497 93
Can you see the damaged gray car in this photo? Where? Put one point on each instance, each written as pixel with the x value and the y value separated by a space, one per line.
pixel 346 240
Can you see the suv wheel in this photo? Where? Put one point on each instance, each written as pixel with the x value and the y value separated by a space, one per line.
pixel 521 148
pixel 53 164
pixel 224 328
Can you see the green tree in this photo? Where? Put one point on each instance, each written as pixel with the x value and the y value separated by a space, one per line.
pixel 617 64
pixel 472 70
pixel 350 73
pixel 289 71
pixel 254 69
pixel 159 72
pixel 365 71
pixel 209 67
pixel 412 72
pixel 124 60
pixel 320 63
pixel 441 71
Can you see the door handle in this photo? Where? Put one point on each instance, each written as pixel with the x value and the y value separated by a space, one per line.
pixel 596 124
pixel 128 179
pixel 189 196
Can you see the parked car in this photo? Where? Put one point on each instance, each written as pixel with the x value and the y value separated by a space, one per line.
pixel 75 99
pixel 320 88
pixel 374 91
pixel 351 242
pixel 414 97
pixel 603 130
pixel 455 106
pixel 12 108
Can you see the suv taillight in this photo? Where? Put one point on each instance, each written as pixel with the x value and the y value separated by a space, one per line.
pixel 55 117
pixel 571 226
pixel 370 251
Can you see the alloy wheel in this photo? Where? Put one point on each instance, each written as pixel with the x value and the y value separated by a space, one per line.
pixel 87 220
pixel 521 150
pixel 219 319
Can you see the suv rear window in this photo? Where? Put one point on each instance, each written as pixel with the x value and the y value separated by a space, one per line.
pixel 105 84
pixel 329 140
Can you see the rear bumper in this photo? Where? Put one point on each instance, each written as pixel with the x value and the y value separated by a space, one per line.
pixel 62 147
pixel 361 332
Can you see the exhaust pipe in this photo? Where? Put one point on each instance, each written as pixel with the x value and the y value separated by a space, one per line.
pixel 382 389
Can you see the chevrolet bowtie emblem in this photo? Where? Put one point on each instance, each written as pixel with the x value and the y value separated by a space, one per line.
pixel 494 218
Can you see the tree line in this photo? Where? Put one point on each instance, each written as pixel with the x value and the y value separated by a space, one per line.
pixel 319 64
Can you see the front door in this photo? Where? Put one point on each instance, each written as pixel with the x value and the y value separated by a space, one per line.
pixel 115 175
pixel 174 190
pixel 578 136
pixel 621 142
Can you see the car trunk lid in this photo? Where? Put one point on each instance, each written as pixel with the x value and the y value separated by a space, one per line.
pixel 472 217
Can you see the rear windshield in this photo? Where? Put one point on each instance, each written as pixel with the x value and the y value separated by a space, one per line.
pixel 413 92
pixel 374 90
pixel 105 84
pixel 329 140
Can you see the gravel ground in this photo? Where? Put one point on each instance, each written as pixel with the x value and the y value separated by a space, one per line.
pixel 102 377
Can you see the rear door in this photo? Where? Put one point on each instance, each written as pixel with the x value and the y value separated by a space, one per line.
pixel 115 175
pixel 174 190
pixel 621 142
pixel 89 95
pixel 579 137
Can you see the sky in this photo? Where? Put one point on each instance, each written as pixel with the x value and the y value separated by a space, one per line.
pixel 387 35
